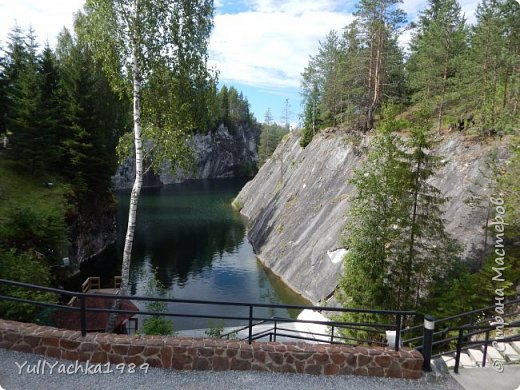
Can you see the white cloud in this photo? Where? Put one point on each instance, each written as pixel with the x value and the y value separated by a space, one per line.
pixel 47 18
pixel 270 45
pixel 295 7
pixel 468 8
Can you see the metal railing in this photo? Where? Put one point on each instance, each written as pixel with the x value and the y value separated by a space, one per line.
pixel 466 333
pixel 448 325
pixel 459 332
pixel 394 323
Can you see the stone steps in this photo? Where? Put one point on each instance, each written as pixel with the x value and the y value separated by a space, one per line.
pixel 509 352
pixel 478 356
pixel 473 357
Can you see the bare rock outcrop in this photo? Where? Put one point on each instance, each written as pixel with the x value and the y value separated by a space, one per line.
pixel 298 202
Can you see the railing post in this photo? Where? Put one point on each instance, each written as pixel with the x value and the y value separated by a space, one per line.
pixel 485 349
pixel 397 331
pixel 332 334
pixel 459 349
pixel 83 319
pixel 250 338
pixel 275 329
pixel 429 327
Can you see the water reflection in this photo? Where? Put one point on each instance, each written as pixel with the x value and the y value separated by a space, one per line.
pixel 197 243
pixel 182 228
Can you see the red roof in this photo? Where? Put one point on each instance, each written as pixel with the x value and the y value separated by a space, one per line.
pixel 95 321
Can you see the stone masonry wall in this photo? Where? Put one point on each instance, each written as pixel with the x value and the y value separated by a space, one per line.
pixel 210 354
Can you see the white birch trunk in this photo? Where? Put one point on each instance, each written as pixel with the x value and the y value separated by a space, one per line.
pixel 136 189
pixel 138 183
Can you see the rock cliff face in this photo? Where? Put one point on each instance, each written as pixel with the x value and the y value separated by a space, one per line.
pixel 93 229
pixel 218 154
pixel 296 224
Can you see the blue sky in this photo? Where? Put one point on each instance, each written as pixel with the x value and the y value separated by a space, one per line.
pixel 259 46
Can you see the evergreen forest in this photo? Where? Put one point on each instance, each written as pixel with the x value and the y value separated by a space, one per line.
pixel 465 75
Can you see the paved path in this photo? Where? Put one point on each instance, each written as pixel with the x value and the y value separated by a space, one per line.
pixel 158 379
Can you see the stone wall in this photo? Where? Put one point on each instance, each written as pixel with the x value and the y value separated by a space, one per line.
pixel 210 354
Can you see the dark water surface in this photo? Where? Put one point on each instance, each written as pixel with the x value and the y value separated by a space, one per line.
pixel 196 241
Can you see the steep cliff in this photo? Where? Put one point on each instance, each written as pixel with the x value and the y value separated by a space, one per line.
pixel 92 227
pixel 219 153
pixel 298 201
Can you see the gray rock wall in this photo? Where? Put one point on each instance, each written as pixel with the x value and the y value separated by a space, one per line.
pixel 295 227
pixel 221 153
pixel 92 229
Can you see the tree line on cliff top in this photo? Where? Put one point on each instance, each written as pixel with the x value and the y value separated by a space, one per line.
pixel 464 74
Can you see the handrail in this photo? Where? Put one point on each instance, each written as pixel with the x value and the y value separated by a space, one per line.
pixel 239 329
pixel 90 283
pixel 117 282
pixel 196 301
pixel 82 296
pixel 446 330
pixel 257 320
pixel 467 313
pixel 485 329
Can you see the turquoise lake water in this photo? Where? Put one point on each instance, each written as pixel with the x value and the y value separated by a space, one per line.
pixel 197 242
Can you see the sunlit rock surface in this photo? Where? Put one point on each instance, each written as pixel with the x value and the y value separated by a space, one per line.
pixel 298 201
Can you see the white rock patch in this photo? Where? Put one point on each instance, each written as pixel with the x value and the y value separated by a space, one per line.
pixel 337 255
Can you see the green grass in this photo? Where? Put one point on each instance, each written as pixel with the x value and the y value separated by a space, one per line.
pixel 18 189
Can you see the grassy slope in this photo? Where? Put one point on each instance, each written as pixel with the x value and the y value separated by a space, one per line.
pixel 19 189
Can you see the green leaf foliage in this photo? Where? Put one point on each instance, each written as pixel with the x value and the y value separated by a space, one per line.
pixel 271 134
pixel 156 324
pixel 27 267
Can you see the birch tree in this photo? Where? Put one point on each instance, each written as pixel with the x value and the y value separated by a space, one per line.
pixel 160 47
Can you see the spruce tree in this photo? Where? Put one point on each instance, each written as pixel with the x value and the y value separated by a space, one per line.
pixel 373 221
pixel 28 139
pixel 425 249
pixel 395 233
pixel 223 98
pixel 4 102
pixel 51 107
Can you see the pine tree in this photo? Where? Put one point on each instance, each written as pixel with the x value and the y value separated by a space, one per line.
pixel 491 83
pixel 437 49
pixel 379 22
